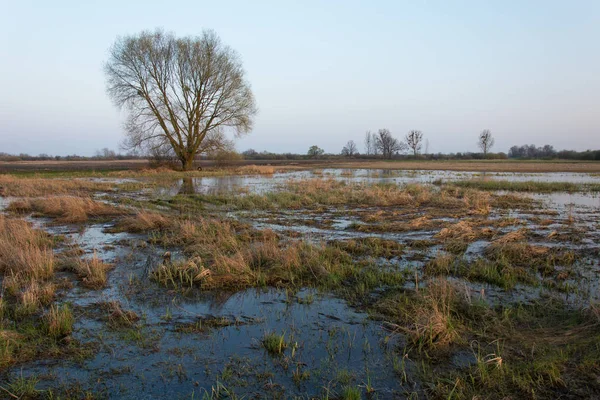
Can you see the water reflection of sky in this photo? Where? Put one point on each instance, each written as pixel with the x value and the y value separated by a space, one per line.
pixel 266 183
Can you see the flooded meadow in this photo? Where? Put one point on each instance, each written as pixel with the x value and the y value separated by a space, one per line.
pixel 309 284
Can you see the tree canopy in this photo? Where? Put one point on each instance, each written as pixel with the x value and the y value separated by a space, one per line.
pixel 181 94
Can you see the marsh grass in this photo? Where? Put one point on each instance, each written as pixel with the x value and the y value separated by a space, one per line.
pixel 229 255
pixel 23 388
pixel 256 170
pixel 527 351
pixel 371 246
pixel 529 186
pixel 92 271
pixel 351 393
pixel 522 254
pixel 183 273
pixel 427 317
pixel 311 193
pixel 38 186
pixel 118 317
pixel 66 209
pixel 499 272
pixel 208 323
pixel 144 221
pixel 27 263
pixel 59 321
pixel 274 343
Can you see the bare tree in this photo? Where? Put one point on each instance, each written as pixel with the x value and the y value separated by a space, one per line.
pixel 368 143
pixel 414 140
pixel 388 145
pixel 180 93
pixel 374 147
pixel 350 150
pixel 486 141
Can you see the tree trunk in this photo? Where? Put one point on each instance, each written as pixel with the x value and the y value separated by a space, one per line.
pixel 188 163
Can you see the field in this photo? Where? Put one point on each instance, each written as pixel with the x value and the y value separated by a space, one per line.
pixel 373 280
pixel 446 165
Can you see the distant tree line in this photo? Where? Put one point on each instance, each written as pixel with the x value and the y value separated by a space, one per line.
pixel 531 151
pixel 104 154
pixel 380 145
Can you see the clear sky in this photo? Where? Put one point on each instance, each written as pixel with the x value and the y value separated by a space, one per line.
pixel 323 72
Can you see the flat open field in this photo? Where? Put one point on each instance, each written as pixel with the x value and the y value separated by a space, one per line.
pixel 451 165
pixel 369 280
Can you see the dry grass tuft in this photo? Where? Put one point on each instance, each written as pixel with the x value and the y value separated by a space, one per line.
pixel 442 264
pixel 25 253
pixel 39 187
pixel 256 170
pixel 182 273
pixel 229 255
pixel 427 316
pixel 33 296
pixel 145 221
pixel 118 317
pixel 66 209
pixel 92 271
pixel 511 237
pixel 461 230
pixel 59 321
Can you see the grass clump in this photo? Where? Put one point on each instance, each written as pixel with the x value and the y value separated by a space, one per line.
pixel 35 186
pixel 351 393
pixel 528 186
pixel 92 271
pixel 315 193
pixel 119 317
pixel 25 253
pixel 59 321
pixel 371 246
pixel 66 209
pixel 181 273
pixel 274 343
pixel 144 221
pixel 427 317
pixel 256 170
pixel 206 324
pixel 23 388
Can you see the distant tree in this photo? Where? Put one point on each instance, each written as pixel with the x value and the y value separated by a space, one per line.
pixel 388 145
pixel 315 151
pixel 106 153
pixel 250 153
pixel 548 151
pixel 350 150
pixel 375 148
pixel 180 93
pixel 486 141
pixel 414 141
pixel 369 144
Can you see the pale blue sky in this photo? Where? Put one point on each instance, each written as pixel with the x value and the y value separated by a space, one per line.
pixel 323 72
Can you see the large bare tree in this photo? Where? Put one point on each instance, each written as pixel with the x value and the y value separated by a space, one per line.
pixel 486 141
pixel 181 94
pixel 414 140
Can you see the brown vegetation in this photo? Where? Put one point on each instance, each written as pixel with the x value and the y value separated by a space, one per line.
pixel 144 221
pixel 39 187
pixel 25 253
pixel 66 209
pixel 92 271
